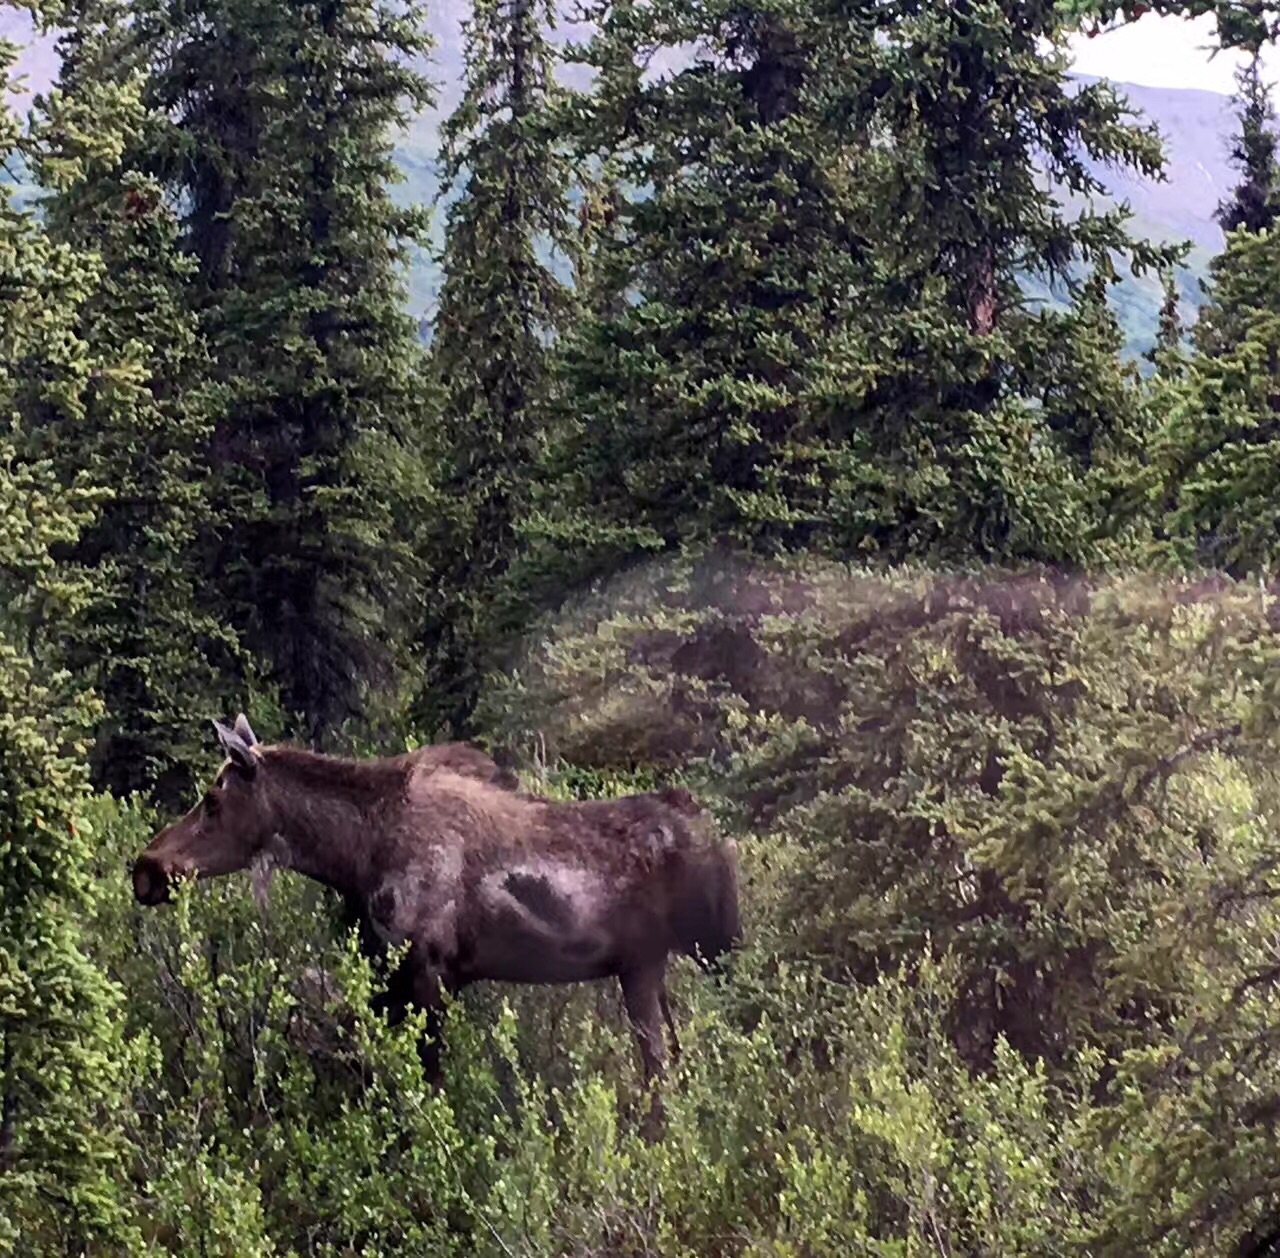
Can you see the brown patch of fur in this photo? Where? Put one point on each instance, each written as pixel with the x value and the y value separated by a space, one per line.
pixel 383 778
pixel 358 780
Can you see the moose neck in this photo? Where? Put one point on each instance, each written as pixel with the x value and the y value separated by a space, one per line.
pixel 327 814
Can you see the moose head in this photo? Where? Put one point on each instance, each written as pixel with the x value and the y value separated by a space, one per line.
pixel 227 831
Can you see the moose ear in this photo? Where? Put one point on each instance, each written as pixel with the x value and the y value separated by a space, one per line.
pixel 243 728
pixel 236 747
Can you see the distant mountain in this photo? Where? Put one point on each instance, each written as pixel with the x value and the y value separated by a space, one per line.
pixel 1196 127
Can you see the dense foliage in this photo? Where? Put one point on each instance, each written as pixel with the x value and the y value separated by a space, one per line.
pixel 153 654
pixel 276 144
pixel 1061 791
pixel 738 454
pixel 63 1057
pixel 500 308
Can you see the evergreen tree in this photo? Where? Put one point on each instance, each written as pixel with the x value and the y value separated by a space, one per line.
pixel 501 306
pixel 599 211
pixel 1165 354
pixel 63 1062
pixel 149 638
pixel 1218 484
pixel 963 449
pixel 1096 412
pixel 698 403
pixel 838 207
pixel 1255 202
pixel 280 150
pixel 1219 451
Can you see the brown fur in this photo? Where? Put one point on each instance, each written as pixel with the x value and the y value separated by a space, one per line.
pixel 482 882
pixel 373 780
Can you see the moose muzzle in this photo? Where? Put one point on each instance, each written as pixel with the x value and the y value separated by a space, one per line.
pixel 151 880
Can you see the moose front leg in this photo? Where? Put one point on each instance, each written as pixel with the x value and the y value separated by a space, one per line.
pixel 423 986
pixel 644 994
pixel 429 988
pixel 355 913
pixel 665 1003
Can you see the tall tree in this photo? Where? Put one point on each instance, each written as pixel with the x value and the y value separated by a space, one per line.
pixel 1219 449
pixel 149 639
pixel 966 449
pixel 596 284
pixel 281 152
pixel 502 304
pixel 1255 202
pixel 699 399
pixel 1218 483
pixel 1165 354
pixel 837 209
pixel 63 1062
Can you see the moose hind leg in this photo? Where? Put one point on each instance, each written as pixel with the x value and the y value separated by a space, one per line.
pixel 642 993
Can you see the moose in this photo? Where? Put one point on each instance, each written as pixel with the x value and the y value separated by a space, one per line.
pixel 437 850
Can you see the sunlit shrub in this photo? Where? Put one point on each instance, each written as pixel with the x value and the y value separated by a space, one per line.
pixel 1066 786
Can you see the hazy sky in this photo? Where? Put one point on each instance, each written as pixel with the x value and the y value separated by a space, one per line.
pixel 1164 52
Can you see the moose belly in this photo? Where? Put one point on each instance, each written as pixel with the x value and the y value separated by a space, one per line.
pixel 541 923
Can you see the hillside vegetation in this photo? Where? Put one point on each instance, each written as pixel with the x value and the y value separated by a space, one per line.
pixel 728 455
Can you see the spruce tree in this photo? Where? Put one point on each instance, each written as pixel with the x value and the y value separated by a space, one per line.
pixel 1165 354
pixel 502 304
pixel 697 404
pixel 837 209
pixel 596 284
pixel 150 638
pixel 1255 202
pixel 280 151
pixel 1219 450
pixel 965 449
pixel 1219 491
pixel 63 1062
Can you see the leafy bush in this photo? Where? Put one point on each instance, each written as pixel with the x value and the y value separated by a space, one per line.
pixel 1064 786
pixel 276 1121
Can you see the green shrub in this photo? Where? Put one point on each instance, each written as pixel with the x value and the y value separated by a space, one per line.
pixel 1065 787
